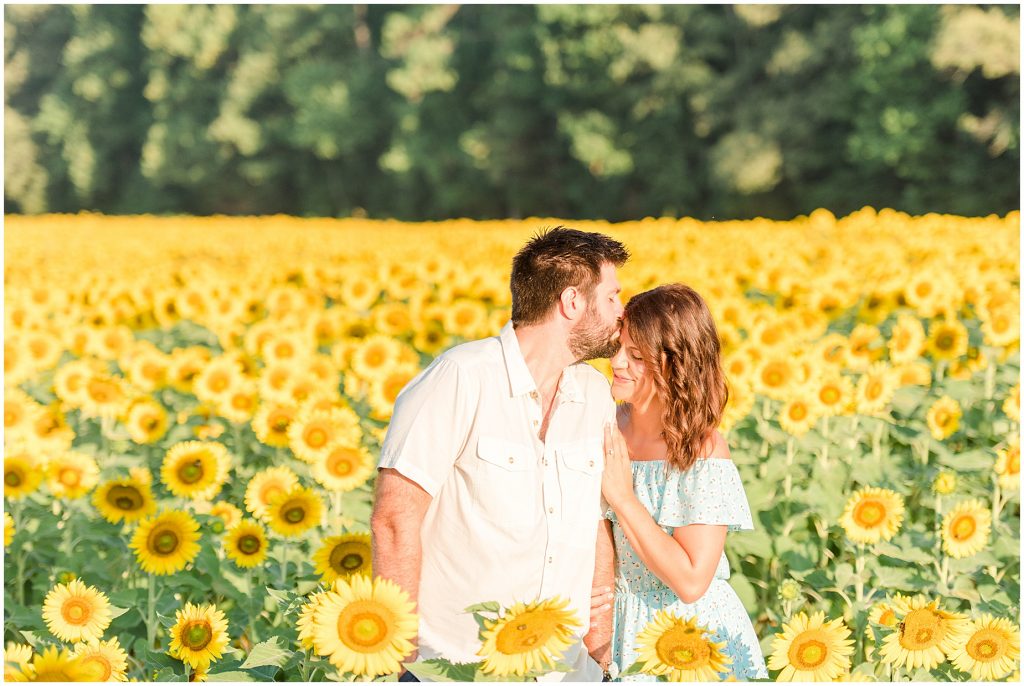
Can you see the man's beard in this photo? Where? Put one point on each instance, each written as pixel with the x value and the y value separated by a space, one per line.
pixel 591 340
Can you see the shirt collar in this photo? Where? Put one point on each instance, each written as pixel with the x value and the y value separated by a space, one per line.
pixel 520 380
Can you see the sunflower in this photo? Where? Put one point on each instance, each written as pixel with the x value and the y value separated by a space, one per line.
pixel 72 475
pixel 306 623
pixel 51 429
pixel 271 424
pixel 17 656
pixel 312 433
pixel 265 486
pixel 199 635
pixel 811 649
pixel 1011 406
pixel 104 396
pixel 167 542
pixel 1001 326
pixel 276 378
pixel 991 649
pixel 19 410
pixel 872 515
pixel 147 421
pixel 774 377
pixel 943 418
pixel 195 469
pixel 385 388
pixel 947 339
pixel 294 512
pixel 965 529
pixel 359 291
pixel 185 365
pixel 343 556
pixel 217 379
pixel 22 475
pixel 741 401
pixel 875 389
pixel 906 339
pixel 364 626
pixel 343 468
pixel 228 513
pixel 680 650
pixel 798 415
pixel 246 544
pixel 944 483
pixel 924 636
pixel 1007 467
pixel 147 369
pixel 55 665
pixel 832 393
pixel 375 355
pixel 129 499
pixel 239 405
pixel 527 637
pixel 912 374
pixel 103 660
pixel 864 347
pixel 8 529
pixel 883 613
pixel 75 612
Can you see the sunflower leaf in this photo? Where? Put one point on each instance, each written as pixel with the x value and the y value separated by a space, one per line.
pixel 116 612
pixel 229 676
pixel 268 652
pixel 490 606
pixel 635 668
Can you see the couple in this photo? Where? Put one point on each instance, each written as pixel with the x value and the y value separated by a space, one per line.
pixel 497 455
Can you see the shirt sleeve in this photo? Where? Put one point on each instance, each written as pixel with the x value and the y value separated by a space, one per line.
pixel 430 425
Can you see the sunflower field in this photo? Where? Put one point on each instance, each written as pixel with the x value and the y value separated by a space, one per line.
pixel 193 408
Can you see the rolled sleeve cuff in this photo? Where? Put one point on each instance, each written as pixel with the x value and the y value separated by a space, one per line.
pixel 411 472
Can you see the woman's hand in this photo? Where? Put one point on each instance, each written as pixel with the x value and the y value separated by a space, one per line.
pixel 617 479
pixel 601 600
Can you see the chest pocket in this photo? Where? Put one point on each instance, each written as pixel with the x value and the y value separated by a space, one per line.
pixel 580 466
pixel 505 481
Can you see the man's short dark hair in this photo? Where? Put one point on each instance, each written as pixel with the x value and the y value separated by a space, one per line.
pixel 556 259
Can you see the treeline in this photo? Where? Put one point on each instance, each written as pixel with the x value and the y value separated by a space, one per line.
pixel 585 111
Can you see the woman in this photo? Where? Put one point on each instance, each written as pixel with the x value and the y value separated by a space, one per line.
pixel 672 489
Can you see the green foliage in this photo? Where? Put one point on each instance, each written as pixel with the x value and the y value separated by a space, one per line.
pixel 430 111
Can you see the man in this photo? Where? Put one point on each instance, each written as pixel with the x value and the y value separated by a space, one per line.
pixel 490 474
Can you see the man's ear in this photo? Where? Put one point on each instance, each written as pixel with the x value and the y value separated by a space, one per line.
pixel 570 303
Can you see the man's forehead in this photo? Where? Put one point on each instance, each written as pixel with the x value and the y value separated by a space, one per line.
pixel 609 277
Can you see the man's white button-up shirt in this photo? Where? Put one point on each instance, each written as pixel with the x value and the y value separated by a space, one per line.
pixel 512 518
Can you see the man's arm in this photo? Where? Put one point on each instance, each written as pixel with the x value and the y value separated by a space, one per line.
pixel 398 511
pixel 599 639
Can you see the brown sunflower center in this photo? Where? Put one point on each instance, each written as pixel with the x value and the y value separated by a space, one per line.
pixel 197 635
pixel 798 412
pixel 347 558
pixel 249 544
pixel 125 498
pixel 163 542
pixel 13 478
pixel 97 667
pixel 294 514
pixel 526 633
pixel 340 463
pixel 191 472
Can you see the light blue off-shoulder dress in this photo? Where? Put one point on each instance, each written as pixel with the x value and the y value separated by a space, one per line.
pixel 710 492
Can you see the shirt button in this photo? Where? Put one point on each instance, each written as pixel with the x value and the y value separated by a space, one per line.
pixel 545 462
pixel 533 394
pixel 550 560
pixel 591 463
pixel 511 460
pixel 551 510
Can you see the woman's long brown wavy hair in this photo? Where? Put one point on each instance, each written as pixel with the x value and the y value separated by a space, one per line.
pixel 676 336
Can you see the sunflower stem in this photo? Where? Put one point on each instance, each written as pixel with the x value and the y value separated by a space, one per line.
pixel 284 563
pixel 20 578
pixel 997 500
pixel 990 375
pixel 151 612
pixel 253 585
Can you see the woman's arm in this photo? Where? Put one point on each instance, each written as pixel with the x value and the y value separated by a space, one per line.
pixel 686 560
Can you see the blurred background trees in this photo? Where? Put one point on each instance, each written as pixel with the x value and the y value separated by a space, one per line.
pixel 439 111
